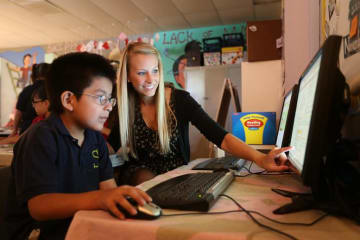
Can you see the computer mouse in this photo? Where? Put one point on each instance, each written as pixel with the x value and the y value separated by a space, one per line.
pixel 149 211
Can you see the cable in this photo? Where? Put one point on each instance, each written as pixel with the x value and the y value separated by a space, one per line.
pixel 263 172
pixel 199 213
pixel 249 171
pixel 257 222
pixel 251 211
pixel 291 224
pixel 248 212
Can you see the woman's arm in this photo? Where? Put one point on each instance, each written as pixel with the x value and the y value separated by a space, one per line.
pixel 237 147
pixel 226 141
pixel 17 119
pixel 10 139
pixel 275 160
pixel 34 57
pixel 16 68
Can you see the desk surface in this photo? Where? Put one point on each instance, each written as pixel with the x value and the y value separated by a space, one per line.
pixel 4 132
pixel 6 155
pixel 252 192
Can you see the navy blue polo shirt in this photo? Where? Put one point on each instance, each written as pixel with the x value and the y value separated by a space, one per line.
pixel 47 159
pixel 24 104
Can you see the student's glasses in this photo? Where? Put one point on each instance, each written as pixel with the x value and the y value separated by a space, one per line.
pixel 102 99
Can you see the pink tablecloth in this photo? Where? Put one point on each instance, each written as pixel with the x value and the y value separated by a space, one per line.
pixel 253 193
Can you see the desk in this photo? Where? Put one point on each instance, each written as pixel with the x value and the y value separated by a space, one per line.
pixel 253 192
pixel 6 155
pixel 4 132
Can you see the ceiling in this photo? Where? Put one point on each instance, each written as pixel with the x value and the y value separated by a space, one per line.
pixel 25 23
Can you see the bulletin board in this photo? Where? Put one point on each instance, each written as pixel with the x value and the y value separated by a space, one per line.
pixel 172 45
pixel 341 17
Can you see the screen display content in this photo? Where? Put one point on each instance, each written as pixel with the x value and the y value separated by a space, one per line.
pixel 304 108
pixel 284 115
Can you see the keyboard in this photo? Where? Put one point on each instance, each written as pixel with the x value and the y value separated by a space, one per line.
pixel 194 191
pixel 227 162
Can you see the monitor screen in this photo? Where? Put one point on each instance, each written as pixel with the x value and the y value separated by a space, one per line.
pixel 303 114
pixel 283 118
pixel 321 108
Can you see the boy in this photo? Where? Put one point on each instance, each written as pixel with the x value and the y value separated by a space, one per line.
pixel 61 165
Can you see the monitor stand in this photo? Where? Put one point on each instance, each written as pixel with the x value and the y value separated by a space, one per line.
pixel 300 202
pixel 339 185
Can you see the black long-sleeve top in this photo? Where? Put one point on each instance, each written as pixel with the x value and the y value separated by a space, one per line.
pixel 186 111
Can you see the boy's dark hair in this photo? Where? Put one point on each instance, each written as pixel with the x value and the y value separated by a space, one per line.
pixel 39 91
pixel 74 72
pixel 39 71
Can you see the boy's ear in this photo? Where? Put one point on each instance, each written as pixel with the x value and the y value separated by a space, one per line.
pixel 67 98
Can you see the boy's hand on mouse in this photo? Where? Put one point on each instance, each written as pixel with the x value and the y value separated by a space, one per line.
pixel 109 198
pixel 275 160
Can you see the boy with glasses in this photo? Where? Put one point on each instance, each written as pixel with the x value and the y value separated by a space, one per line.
pixel 61 165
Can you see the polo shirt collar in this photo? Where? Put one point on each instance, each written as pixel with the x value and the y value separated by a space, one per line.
pixel 58 123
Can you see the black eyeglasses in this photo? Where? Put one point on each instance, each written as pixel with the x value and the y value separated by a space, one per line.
pixel 102 99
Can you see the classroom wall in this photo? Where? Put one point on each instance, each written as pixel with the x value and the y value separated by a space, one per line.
pixel 7 93
pixel 349 58
pixel 342 18
pixel 304 21
pixel 172 45
pixel 261 87
pixel 301 37
pixel 11 87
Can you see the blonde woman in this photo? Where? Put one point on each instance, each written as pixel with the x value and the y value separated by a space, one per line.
pixel 153 129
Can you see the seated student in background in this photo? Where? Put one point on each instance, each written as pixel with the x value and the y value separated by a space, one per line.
pixel 25 113
pixel 154 121
pixel 40 103
pixel 61 165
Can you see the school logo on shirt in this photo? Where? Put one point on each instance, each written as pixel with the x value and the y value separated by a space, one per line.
pixel 95 153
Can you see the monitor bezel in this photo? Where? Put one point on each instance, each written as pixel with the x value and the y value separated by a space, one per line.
pixel 329 94
pixel 290 117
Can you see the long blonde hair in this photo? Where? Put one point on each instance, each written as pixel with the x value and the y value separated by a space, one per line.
pixel 127 99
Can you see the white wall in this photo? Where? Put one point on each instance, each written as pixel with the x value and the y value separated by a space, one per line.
pixel 7 93
pixel 205 85
pixel 261 87
pixel 349 66
pixel 301 37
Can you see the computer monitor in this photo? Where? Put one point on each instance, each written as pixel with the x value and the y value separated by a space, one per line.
pixel 318 118
pixel 287 118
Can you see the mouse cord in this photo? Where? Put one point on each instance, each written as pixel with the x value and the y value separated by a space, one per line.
pixel 262 172
pixel 199 213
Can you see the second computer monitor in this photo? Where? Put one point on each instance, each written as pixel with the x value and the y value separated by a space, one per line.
pixel 287 118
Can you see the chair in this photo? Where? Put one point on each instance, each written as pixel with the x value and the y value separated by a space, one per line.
pixel 5 173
